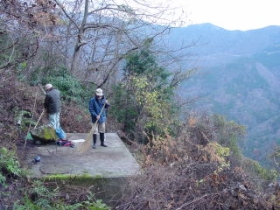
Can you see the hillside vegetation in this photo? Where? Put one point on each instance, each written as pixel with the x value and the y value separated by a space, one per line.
pixel 189 171
pixel 189 161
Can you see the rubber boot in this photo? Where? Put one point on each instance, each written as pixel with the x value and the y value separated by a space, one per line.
pixel 94 137
pixel 102 136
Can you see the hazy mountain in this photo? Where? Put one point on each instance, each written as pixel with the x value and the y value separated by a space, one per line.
pixel 239 77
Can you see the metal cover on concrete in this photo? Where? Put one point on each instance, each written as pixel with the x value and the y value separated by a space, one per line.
pixel 113 161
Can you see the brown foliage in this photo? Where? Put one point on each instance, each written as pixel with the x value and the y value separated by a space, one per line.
pixel 39 13
pixel 188 173
pixel 178 173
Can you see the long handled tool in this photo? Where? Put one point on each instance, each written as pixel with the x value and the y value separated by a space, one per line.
pixel 28 136
pixel 86 144
pixel 39 119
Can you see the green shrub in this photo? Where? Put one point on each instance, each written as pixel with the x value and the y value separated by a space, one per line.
pixel 70 87
pixel 60 77
pixel 255 168
pixel 43 200
pixel 229 134
pixel 9 166
pixel 24 118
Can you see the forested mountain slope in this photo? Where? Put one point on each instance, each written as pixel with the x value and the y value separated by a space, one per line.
pixel 239 77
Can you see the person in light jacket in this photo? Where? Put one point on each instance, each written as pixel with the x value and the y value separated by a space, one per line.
pixel 97 108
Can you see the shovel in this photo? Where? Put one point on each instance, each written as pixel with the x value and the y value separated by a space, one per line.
pixel 39 119
pixel 28 135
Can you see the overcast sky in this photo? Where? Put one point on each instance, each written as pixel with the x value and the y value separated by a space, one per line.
pixel 233 14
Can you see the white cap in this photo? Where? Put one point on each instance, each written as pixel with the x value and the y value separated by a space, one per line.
pixel 48 86
pixel 99 92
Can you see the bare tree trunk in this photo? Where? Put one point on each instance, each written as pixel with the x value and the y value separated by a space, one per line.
pixel 104 32
pixel 79 42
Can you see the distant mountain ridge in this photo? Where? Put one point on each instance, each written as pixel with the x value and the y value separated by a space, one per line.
pixel 216 40
pixel 239 77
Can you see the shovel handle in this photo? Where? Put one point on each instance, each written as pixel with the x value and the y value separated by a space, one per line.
pixel 39 118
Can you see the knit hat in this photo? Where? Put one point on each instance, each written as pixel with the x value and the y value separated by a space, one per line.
pixel 48 86
pixel 99 92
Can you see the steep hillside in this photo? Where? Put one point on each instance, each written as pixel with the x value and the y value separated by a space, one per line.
pixel 239 77
pixel 192 171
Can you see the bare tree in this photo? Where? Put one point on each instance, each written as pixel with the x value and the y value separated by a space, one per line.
pixel 90 38
pixel 104 32
pixel 24 26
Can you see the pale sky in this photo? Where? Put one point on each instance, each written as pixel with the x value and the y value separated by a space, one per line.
pixel 232 14
pixel 228 14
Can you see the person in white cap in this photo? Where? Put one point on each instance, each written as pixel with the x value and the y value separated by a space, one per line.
pixel 52 105
pixel 97 108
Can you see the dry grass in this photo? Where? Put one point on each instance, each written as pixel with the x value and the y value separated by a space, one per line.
pixel 187 173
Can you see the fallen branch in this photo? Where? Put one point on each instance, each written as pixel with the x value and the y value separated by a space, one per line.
pixel 195 200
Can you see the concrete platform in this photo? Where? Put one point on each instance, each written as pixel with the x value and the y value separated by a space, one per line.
pixel 114 161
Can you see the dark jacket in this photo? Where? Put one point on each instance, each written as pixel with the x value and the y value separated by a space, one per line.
pixel 95 107
pixel 52 101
